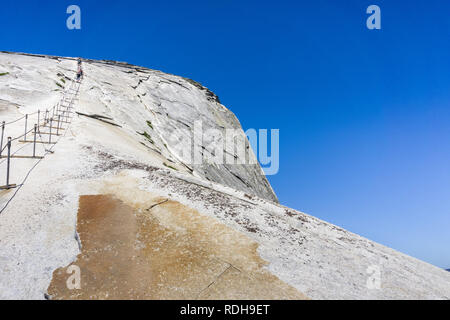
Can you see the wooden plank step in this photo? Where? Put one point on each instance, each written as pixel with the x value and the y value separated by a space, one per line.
pixel 61 121
pixel 41 142
pixel 11 186
pixel 21 157
pixel 48 133
pixel 56 128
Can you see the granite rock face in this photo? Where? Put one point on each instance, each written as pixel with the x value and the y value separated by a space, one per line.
pixel 117 188
pixel 175 117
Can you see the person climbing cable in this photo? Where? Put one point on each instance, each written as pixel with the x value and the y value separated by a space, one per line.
pixel 79 73
pixel 80 70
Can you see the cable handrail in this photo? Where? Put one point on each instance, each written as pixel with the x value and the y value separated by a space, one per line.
pixel 38 132
pixel 4 148
pixel 23 135
pixel 14 121
pixel 36 112
pixel 69 95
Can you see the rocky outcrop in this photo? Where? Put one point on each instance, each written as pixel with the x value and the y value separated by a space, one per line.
pixel 170 115
pixel 145 255
pixel 116 189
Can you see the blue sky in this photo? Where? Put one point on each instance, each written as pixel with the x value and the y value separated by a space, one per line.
pixel 364 116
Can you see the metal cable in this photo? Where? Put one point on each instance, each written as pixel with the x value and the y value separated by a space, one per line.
pixel 15 120
pixel 17 138
pixel 39 161
pixel 32 114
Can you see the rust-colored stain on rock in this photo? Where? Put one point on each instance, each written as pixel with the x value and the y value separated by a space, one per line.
pixel 168 252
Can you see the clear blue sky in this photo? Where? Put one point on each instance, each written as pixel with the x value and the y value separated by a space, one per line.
pixel 364 116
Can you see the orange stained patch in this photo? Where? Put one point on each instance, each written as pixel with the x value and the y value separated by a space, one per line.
pixel 168 252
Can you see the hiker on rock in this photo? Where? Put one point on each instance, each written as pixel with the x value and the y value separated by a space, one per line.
pixel 79 73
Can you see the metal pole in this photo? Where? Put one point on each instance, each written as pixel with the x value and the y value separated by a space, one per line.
pixel 46 116
pixel 8 162
pixel 57 127
pixel 50 135
pixel 34 145
pixel 26 122
pixel 39 117
pixel 3 133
